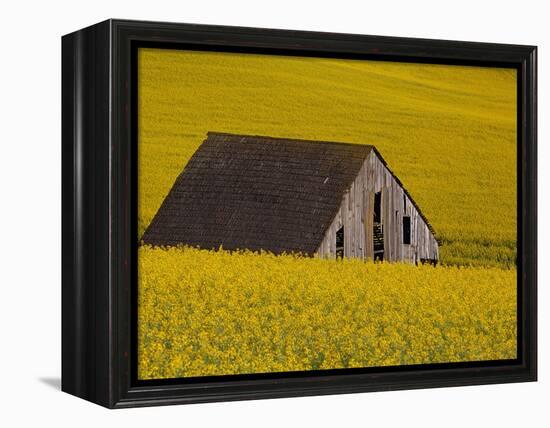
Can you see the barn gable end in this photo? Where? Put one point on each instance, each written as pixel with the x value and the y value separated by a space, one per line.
pixel 355 217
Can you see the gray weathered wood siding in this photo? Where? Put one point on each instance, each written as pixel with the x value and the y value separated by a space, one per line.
pixel 356 215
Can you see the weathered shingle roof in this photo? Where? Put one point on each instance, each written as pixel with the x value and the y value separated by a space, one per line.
pixel 254 192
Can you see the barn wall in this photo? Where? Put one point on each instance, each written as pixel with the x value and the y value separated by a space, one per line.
pixel 356 215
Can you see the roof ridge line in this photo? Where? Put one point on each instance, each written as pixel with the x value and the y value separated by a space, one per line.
pixel 268 137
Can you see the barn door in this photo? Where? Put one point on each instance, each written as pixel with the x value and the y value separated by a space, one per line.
pixel 378 228
pixel 340 243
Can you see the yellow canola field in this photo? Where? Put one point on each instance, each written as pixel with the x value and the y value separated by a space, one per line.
pixel 214 313
pixel 448 132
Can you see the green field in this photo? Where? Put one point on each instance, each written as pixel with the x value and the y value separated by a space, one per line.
pixel 449 134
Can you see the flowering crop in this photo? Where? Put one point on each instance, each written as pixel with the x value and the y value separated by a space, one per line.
pixel 448 132
pixel 216 312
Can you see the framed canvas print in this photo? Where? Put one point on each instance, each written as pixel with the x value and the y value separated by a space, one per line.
pixel 253 213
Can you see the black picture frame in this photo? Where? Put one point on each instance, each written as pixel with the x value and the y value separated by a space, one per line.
pixel 99 213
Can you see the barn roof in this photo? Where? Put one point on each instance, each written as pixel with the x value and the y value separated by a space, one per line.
pixel 256 192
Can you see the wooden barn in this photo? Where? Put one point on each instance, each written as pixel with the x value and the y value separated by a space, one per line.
pixel 293 196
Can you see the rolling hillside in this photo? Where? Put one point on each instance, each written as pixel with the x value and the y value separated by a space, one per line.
pixel 448 132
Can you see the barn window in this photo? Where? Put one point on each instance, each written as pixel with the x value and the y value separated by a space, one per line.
pixel 340 243
pixel 377 207
pixel 377 229
pixel 406 230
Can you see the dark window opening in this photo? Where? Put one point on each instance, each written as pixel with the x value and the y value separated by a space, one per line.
pixel 406 230
pixel 377 228
pixel 404 204
pixel 340 243
pixel 377 207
